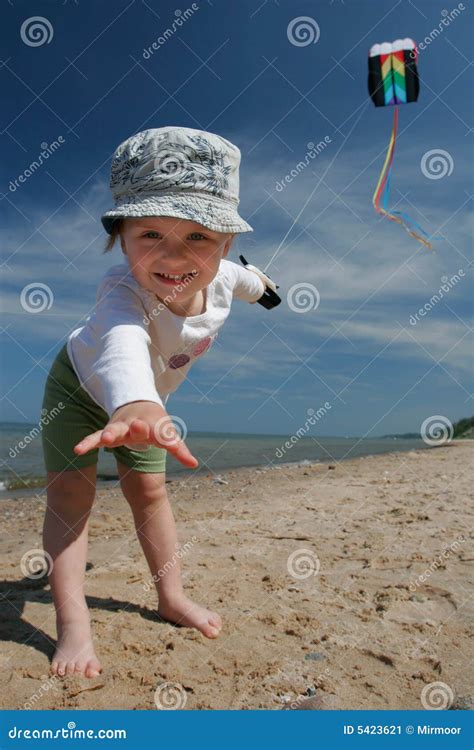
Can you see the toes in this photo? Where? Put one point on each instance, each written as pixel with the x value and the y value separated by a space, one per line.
pixel 90 668
pixel 212 632
pixel 81 667
pixel 214 625
pixel 209 630
pixel 70 668
pixel 93 668
pixel 215 621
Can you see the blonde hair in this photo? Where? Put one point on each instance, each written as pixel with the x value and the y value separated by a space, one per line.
pixel 114 235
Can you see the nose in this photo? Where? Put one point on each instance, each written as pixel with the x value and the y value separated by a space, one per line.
pixel 173 256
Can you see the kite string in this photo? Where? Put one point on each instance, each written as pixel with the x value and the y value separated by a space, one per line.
pixel 315 188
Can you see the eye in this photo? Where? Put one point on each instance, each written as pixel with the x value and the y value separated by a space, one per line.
pixel 197 235
pixel 151 232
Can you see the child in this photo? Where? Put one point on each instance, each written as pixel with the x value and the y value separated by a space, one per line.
pixel 176 193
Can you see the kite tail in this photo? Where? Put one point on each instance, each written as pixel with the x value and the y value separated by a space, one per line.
pixel 382 193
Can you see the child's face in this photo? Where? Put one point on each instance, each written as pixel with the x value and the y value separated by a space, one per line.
pixel 166 245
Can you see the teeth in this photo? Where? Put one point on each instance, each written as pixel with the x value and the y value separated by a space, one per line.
pixel 177 278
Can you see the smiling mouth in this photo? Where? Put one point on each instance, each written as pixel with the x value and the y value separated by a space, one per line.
pixel 176 278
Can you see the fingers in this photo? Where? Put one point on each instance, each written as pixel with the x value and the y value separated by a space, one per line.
pixel 163 435
pixel 88 443
pixel 168 438
pixel 114 434
pixel 139 431
pixel 182 453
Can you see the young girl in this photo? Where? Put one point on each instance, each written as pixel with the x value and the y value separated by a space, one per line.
pixel 176 192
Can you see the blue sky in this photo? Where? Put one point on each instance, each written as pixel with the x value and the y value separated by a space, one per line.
pixel 231 68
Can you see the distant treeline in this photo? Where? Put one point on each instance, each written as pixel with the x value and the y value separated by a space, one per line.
pixel 464 428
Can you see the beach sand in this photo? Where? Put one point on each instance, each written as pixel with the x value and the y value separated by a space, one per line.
pixel 314 568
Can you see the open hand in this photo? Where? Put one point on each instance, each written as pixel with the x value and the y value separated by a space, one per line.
pixel 138 423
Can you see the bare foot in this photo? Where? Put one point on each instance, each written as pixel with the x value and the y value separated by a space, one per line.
pixel 75 652
pixel 184 612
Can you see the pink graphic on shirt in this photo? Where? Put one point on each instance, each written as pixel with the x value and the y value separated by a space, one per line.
pixel 202 346
pixel 178 360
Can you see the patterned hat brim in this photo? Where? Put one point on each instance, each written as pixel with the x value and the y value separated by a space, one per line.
pixel 213 213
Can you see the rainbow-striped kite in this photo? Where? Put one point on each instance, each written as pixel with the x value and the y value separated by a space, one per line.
pixel 393 80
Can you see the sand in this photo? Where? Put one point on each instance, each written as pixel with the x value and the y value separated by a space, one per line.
pixel 315 569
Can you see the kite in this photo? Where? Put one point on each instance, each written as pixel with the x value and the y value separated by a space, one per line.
pixel 393 80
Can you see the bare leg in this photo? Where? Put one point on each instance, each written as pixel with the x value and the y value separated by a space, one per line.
pixel 156 531
pixel 70 498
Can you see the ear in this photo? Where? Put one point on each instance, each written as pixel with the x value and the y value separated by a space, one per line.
pixel 228 246
pixel 122 245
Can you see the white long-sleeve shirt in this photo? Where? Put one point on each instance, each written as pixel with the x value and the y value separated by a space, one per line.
pixel 133 348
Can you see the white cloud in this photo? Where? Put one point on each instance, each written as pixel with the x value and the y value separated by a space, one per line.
pixel 368 272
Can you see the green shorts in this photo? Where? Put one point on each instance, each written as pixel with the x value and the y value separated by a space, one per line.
pixel 69 414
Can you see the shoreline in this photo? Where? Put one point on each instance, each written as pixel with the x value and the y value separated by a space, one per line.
pixel 104 481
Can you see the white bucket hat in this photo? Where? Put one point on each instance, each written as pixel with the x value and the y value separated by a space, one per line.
pixel 181 172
